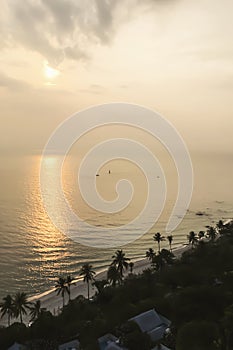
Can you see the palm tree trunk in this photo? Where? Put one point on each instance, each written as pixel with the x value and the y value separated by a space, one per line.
pixel 63 300
pixel 9 319
pixel 88 290
pixel 21 318
pixel 159 246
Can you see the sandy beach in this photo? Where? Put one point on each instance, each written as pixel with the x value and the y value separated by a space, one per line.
pixel 53 302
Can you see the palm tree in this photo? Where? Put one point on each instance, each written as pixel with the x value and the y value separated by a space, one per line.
pixel 158 238
pixel 192 238
pixel 201 234
pixel 170 240
pixel 69 281
pixel 113 275
pixel 7 307
pixel 20 305
pixel 150 254
pixel 62 288
pixel 220 226
pixel 100 285
pixel 131 266
pixel 120 261
pixel 88 276
pixel 36 310
pixel 211 233
pixel 165 257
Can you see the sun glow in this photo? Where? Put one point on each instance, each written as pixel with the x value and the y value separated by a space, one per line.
pixel 49 72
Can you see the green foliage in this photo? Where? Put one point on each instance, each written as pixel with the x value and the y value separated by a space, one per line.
pixel 198 335
pixel 133 339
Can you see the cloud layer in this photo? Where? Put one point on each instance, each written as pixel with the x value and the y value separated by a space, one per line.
pixel 57 29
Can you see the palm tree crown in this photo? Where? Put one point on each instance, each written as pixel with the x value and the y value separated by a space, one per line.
pixel 192 238
pixel 88 276
pixel 20 305
pixel 69 282
pixel 120 261
pixel 114 275
pixel 170 240
pixel 158 238
pixel 212 233
pixel 150 254
pixel 62 288
pixel 36 310
pixel 7 307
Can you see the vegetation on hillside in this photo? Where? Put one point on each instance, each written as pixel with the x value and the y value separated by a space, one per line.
pixel 195 292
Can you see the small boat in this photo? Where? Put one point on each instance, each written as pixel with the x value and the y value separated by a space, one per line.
pixel 97 174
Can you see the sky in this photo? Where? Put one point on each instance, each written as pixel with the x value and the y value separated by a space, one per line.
pixel 60 56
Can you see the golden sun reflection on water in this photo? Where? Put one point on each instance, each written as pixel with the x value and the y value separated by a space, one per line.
pixel 33 253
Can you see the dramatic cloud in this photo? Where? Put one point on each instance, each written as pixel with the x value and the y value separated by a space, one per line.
pixel 57 29
pixel 64 28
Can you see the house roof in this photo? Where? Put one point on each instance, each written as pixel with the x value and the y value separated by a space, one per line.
pixel 105 340
pixel 108 342
pixel 17 346
pixel 72 345
pixel 162 347
pixel 149 320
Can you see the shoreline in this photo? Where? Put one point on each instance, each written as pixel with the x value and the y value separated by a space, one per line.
pixel 53 302
pixel 138 264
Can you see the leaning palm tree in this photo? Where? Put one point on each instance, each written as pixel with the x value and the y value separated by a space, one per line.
pixel 36 310
pixel 69 281
pixel 192 238
pixel 113 275
pixel 88 276
pixel 120 261
pixel 170 240
pixel 7 308
pixel 158 238
pixel 62 288
pixel 150 254
pixel 21 303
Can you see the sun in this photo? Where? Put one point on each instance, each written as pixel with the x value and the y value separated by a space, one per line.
pixel 49 72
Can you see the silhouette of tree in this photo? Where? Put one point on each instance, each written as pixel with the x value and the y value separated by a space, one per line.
pixel 114 275
pixel 131 266
pixel 211 233
pixel 201 234
pixel 120 261
pixel 88 276
pixel 69 281
pixel 170 240
pixel 150 254
pixel 158 238
pixel 36 310
pixel 7 308
pixel 192 238
pixel 21 303
pixel 62 288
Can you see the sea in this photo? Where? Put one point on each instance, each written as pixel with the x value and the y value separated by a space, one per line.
pixel 34 253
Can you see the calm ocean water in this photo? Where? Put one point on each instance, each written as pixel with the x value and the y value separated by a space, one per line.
pixel 33 253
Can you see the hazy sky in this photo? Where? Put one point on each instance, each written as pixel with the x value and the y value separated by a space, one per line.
pixel 59 56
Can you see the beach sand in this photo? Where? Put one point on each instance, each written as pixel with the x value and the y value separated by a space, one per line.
pixel 53 302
